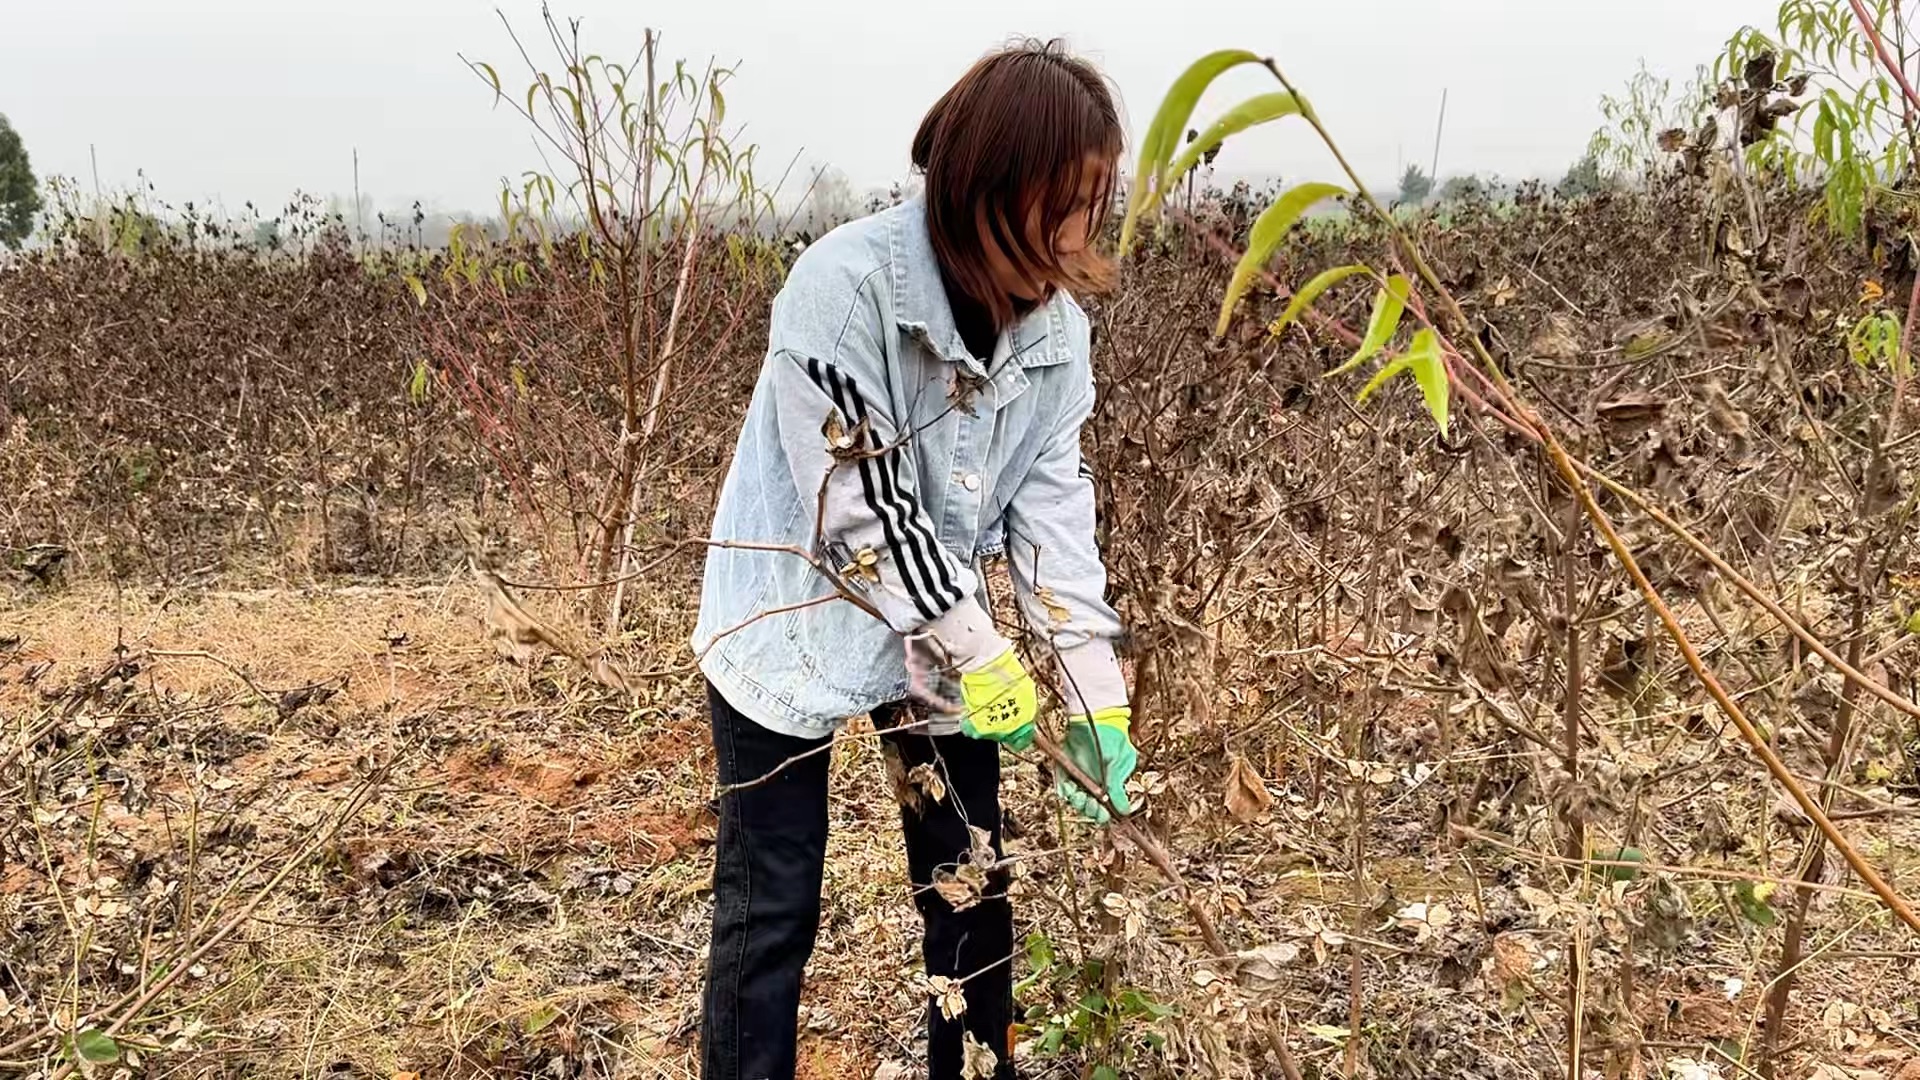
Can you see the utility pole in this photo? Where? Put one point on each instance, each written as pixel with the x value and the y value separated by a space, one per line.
pixel 359 219
pixel 99 199
pixel 1438 129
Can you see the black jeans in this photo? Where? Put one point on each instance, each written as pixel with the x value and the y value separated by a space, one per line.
pixel 766 891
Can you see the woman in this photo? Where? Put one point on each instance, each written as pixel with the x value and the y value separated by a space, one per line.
pixel 922 397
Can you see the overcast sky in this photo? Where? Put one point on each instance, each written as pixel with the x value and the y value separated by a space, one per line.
pixel 253 99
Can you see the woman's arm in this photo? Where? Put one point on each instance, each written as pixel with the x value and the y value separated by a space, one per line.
pixel 1058 574
pixel 871 508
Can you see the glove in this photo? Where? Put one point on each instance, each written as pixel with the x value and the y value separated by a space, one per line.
pixel 1100 747
pixel 1000 700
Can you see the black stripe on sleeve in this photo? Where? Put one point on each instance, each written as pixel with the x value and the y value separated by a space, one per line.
pixel 829 383
pixel 911 519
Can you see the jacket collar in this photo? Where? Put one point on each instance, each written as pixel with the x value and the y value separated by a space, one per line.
pixel 921 309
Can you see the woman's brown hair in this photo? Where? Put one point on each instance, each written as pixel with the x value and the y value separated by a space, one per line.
pixel 1017 131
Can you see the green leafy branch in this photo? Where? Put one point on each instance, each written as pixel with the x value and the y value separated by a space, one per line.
pixel 1853 142
pixel 1158 168
pixel 1493 395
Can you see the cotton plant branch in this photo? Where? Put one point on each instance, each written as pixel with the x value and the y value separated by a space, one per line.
pixel 1575 477
pixel 826 746
pixel 1488 399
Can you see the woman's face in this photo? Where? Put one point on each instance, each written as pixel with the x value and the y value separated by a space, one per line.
pixel 1075 234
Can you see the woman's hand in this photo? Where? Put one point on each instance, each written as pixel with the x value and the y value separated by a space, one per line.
pixel 1100 746
pixel 1000 701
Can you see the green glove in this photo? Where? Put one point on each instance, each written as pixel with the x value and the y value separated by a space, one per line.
pixel 1100 747
pixel 1000 701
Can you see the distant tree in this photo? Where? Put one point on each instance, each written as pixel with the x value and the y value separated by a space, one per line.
pixel 19 194
pixel 1465 186
pixel 1584 178
pixel 1415 185
pixel 829 202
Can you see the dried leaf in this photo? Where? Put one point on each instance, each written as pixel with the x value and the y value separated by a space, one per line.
pixel 1723 414
pixel 514 632
pixel 609 674
pixel 1632 412
pixel 1132 914
pixel 844 444
pixel 925 777
pixel 1556 341
pixel 1247 795
pixel 1057 613
pixel 904 790
pixel 962 389
pixel 978 1061
pixel 1263 969
pixel 960 888
pixel 865 565
pixel 1424 919
pixel 1510 966
pixel 950 994
pixel 981 854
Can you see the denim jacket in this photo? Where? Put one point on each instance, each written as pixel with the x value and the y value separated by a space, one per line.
pixel 964 461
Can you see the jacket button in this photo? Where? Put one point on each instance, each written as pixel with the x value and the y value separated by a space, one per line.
pixel 972 481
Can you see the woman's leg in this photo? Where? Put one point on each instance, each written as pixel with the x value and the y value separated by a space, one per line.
pixel 975 944
pixel 766 897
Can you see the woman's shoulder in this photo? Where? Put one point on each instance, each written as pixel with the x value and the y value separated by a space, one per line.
pixel 1077 327
pixel 840 280
pixel 848 257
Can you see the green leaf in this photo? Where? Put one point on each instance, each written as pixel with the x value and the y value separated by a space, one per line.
pixel 1620 855
pixel 1253 111
pixel 1039 952
pixel 540 1019
pixel 1137 1003
pixel 492 77
pixel 1387 371
pixel 1055 1037
pixel 1311 291
pixel 1335 1035
pixel 1169 123
pixel 96 1047
pixel 579 113
pixel 1268 231
pixel 1104 1072
pixel 1388 303
pixel 1913 623
pixel 417 386
pixel 1753 903
pixel 1430 371
pixel 418 288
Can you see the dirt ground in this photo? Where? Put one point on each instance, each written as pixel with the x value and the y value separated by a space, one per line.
pixel 428 861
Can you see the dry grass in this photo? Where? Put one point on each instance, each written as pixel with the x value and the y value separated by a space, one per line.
pixel 527 885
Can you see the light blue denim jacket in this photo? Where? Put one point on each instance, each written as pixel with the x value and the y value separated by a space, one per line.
pixel 979 460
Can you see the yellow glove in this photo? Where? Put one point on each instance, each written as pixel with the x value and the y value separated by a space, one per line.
pixel 1000 701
